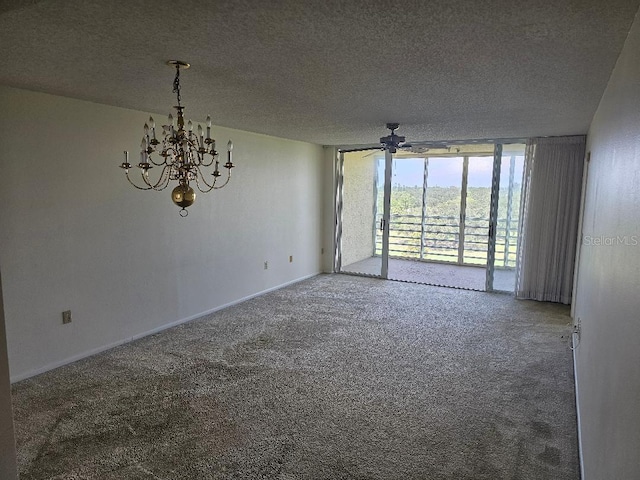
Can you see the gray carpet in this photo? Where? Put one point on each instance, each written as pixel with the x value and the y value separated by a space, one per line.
pixel 336 377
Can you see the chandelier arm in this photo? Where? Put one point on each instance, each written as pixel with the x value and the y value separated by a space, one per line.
pixel 203 164
pixel 126 173
pixel 199 178
pixel 163 181
pixel 171 152
pixel 164 162
pixel 156 185
pixel 194 150
pixel 194 141
pixel 145 179
pixel 225 183
pixel 202 153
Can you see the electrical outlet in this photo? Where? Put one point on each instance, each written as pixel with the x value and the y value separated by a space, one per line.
pixel 577 327
pixel 290 258
pixel 66 316
pixel 266 265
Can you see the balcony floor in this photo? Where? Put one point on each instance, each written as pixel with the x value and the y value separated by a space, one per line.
pixel 442 274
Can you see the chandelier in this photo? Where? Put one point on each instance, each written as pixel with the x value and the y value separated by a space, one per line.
pixel 185 156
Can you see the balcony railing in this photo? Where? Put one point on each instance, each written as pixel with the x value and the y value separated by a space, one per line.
pixel 439 238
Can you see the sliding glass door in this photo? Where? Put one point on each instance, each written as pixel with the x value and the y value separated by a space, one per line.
pixel 361 216
pixel 508 217
pixel 443 219
pixel 475 210
pixel 443 216
pixel 440 216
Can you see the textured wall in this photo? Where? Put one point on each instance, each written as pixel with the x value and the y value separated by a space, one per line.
pixel 358 200
pixel 75 235
pixel 607 301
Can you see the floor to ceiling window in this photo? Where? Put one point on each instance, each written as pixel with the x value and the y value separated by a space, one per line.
pixel 439 225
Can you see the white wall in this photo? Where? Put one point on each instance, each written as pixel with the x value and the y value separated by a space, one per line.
pixel 607 298
pixel 8 464
pixel 75 235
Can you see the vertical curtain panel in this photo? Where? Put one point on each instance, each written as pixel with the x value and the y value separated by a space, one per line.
pixel 550 210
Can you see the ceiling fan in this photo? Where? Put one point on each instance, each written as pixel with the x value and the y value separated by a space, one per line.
pixel 393 142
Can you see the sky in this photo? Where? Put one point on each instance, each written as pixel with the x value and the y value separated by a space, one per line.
pixel 447 171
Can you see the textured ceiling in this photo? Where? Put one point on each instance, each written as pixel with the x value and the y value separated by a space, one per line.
pixel 329 71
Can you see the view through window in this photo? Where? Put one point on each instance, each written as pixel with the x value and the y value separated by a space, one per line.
pixel 440 206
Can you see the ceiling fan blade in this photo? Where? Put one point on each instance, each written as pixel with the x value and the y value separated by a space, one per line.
pixel 374 152
pixel 430 144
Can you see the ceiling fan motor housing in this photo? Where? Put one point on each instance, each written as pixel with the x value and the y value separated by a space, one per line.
pixel 392 142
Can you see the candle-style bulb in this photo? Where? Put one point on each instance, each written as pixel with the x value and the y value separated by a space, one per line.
pixel 199 131
pixel 146 129
pixel 171 120
pixel 190 126
pixel 229 163
pixel 153 128
pixel 208 127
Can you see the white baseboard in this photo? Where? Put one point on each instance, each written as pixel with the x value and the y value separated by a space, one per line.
pixel 574 346
pixel 102 348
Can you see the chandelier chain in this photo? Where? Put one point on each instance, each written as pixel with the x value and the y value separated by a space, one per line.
pixel 176 84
